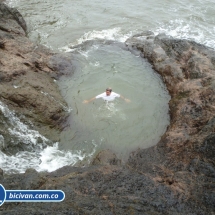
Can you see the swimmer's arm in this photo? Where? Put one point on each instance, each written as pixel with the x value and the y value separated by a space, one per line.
pixel 88 101
pixel 127 100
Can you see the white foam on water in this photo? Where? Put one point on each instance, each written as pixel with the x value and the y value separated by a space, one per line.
pixel 109 34
pixel 40 156
pixel 187 30
pixel 21 131
pixel 27 136
pixel 106 34
pixel 19 162
pixel 52 158
pixel 12 3
pixel 48 159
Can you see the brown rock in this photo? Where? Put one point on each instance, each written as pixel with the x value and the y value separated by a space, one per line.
pixel 106 157
pixel 187 68
pixel 26 83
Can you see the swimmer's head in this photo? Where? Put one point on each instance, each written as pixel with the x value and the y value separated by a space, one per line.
pixel 108 91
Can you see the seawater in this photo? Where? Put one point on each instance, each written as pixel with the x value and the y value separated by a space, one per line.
pixel 58 23
pixel 118 125
pixel 63 24
pixel 38 153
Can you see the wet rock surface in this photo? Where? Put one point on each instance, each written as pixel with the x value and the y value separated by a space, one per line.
pixel 106 157
pixel 26 83
pixel 174 177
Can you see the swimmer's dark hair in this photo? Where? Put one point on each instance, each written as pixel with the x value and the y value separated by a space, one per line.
pixel 109 89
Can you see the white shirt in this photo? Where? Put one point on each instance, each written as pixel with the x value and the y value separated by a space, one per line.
pixel 111 97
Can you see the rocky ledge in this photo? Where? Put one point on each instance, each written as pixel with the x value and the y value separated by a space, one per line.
pixel 177 176
pixel 27 75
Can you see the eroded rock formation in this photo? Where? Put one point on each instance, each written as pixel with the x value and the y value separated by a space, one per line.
pixel 26 71
pixel 188 69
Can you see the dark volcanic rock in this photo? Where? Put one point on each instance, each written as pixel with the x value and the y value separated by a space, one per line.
pixel 11 20
pixel 104 190
pixel 106 157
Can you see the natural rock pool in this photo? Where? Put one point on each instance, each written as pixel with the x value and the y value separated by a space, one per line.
pixel 119 126
pixel 175 176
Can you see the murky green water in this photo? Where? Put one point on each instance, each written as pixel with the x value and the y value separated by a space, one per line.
pixel 117 125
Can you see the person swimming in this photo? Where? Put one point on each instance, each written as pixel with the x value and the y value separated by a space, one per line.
pixel 108 95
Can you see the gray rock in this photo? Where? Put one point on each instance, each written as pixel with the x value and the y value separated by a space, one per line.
pixel 106 157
